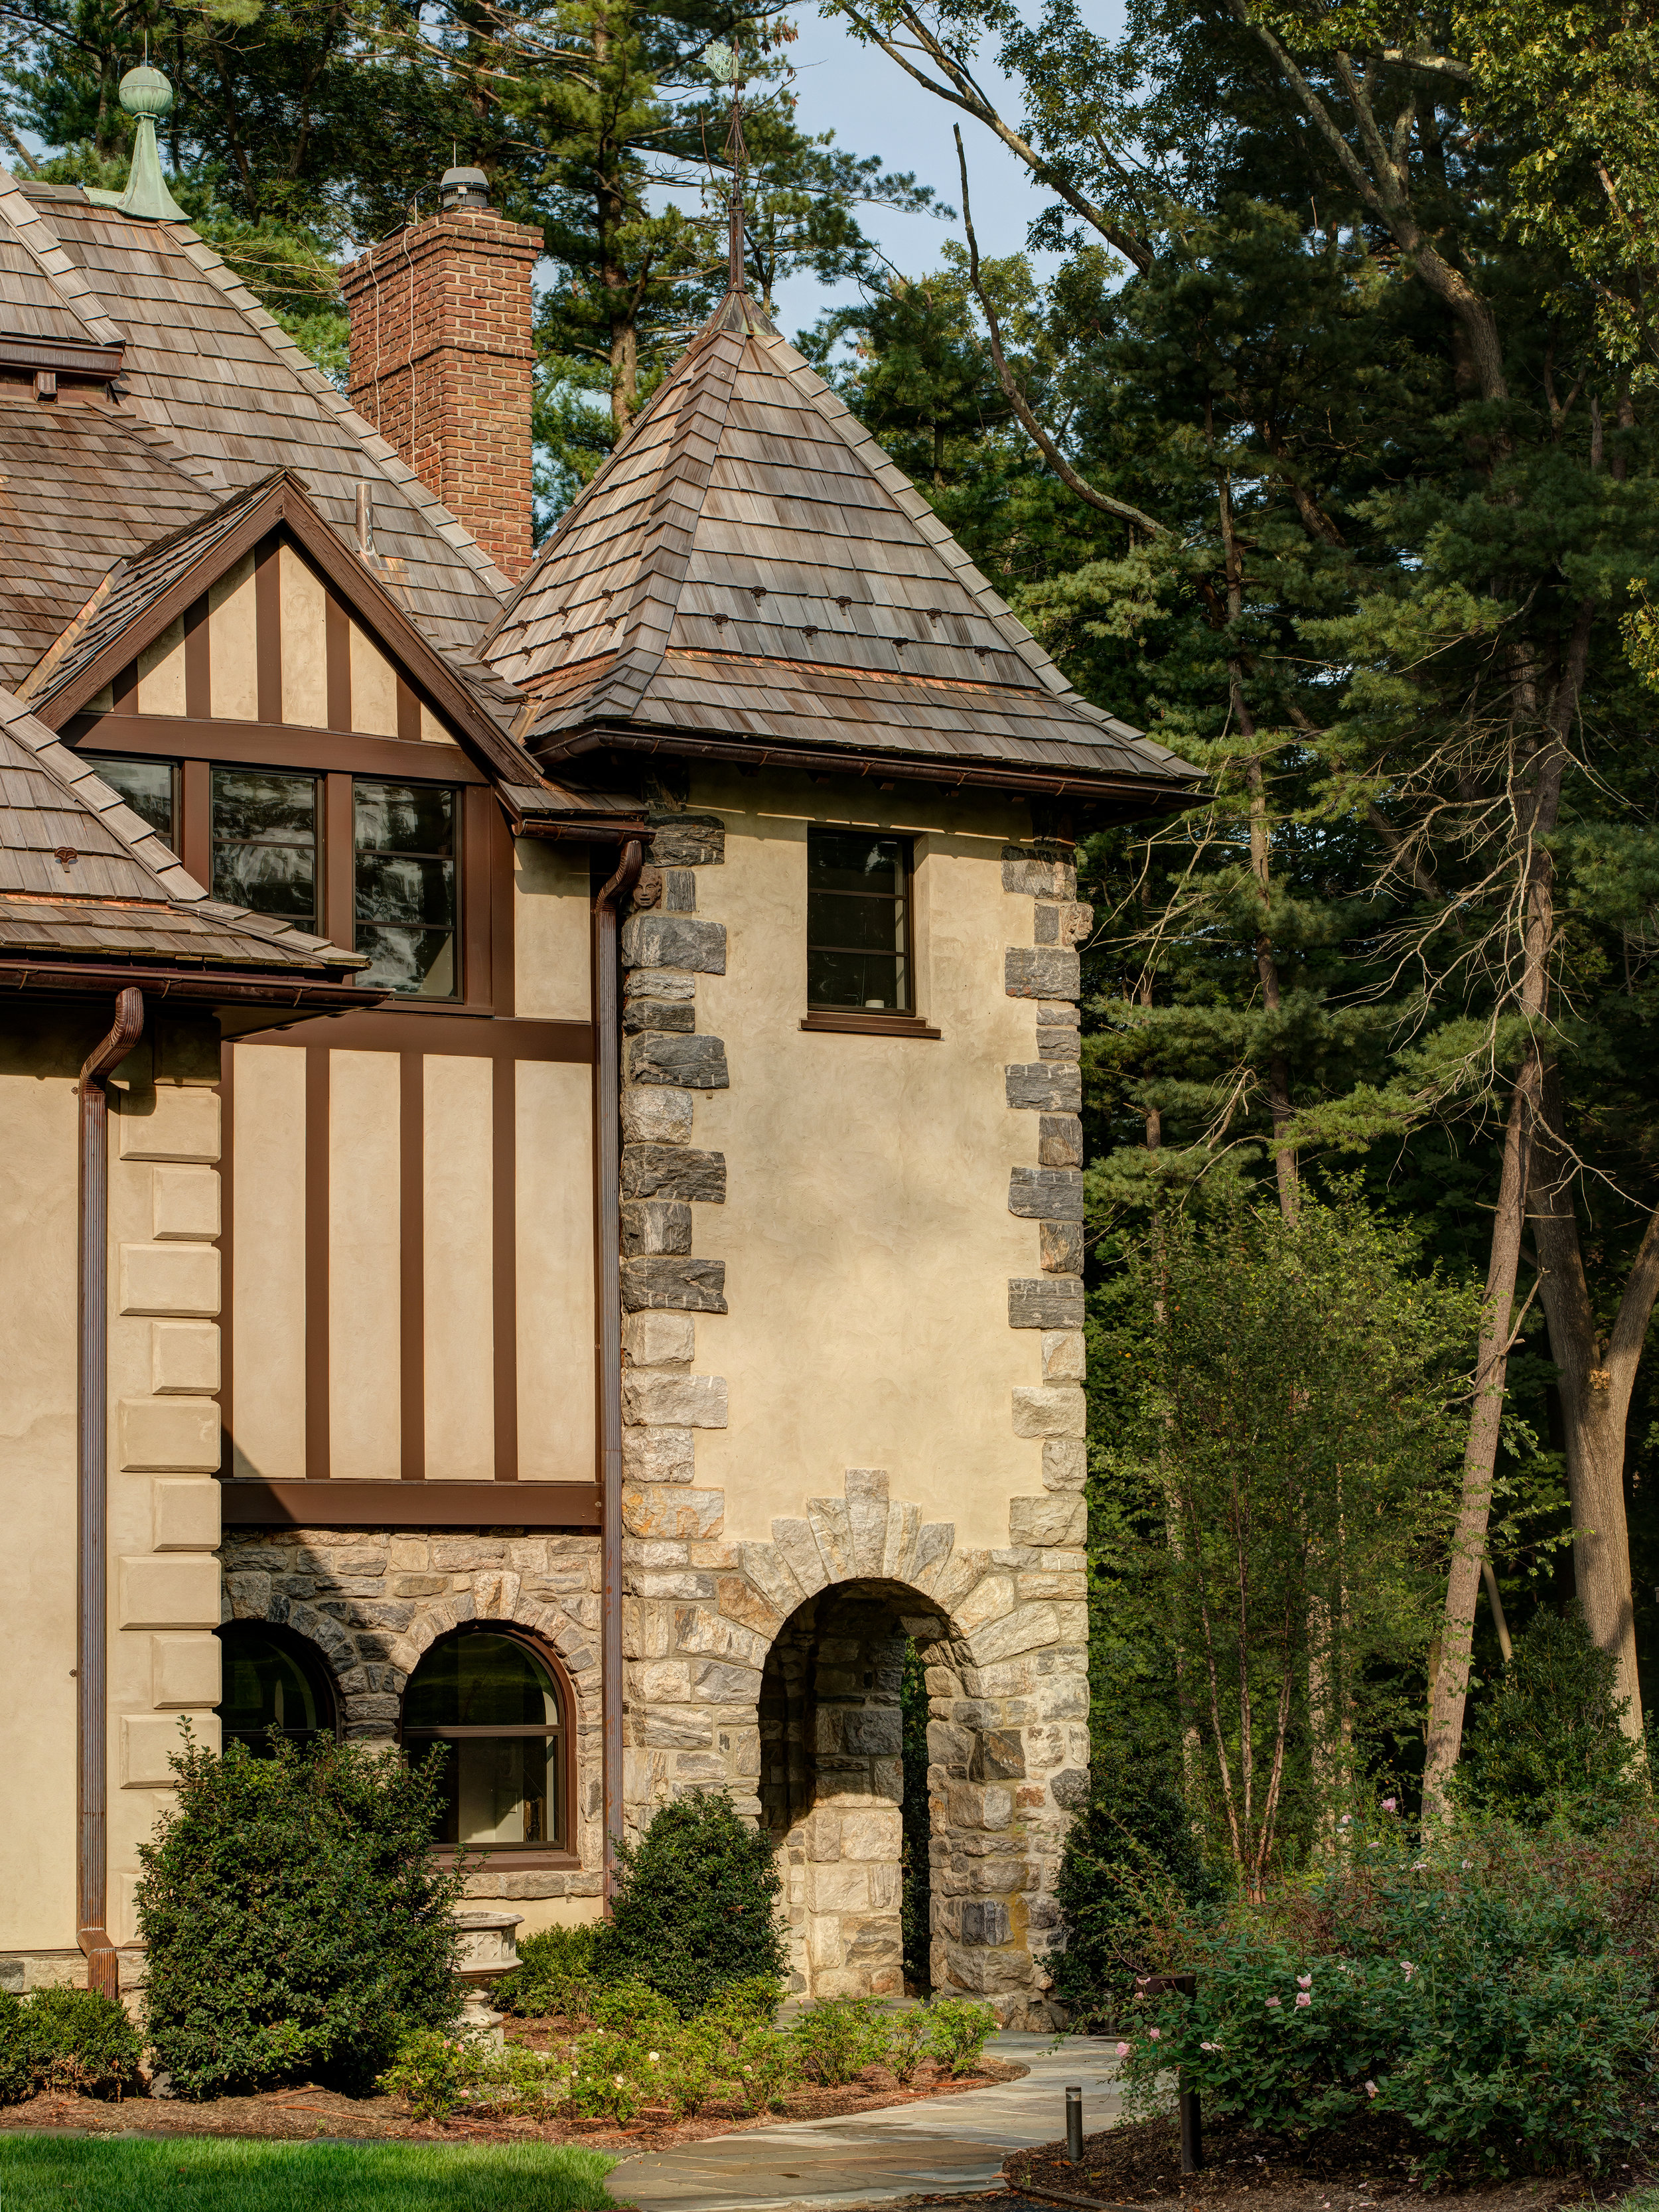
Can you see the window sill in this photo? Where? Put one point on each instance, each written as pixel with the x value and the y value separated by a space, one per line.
pixel 850 1021
pixel 545 1858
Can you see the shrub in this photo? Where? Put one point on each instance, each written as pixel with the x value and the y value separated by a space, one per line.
pixel 908 2044
pixel 72 2039
pixel 837 2037
pixel 957 2032
pixel 1544 1740
pixel 295 1918
pixel 766 2067
pixel 695 1905
pixel 1493 1992
pixel 1130 1864
pixel 555 1973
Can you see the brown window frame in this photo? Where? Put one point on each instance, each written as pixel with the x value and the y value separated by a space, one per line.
pixel 505 1856
pixel 483 852
pixel 310 1657
pixel 868 1021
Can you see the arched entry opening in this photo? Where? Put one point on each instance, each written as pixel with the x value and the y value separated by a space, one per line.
pixel 832 1728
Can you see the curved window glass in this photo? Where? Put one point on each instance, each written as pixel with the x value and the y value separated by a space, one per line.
pixel 271 1680
pixel 494 1704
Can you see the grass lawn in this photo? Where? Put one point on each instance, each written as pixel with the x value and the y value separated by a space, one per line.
pixel 205 2173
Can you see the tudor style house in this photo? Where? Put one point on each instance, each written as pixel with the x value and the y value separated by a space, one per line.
pixel 539 1145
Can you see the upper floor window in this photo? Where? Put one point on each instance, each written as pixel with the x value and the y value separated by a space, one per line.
pixel 265 842
pixel 150 787
pixel 404 899
pixel 492 1701
pixel 857 920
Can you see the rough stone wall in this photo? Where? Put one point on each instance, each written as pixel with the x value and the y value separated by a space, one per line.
pixel 442 357
pixel 373 1600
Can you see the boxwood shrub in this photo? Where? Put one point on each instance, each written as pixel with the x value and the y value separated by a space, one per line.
pixel 296 1920
pixel 67 2038
pixel 695 1907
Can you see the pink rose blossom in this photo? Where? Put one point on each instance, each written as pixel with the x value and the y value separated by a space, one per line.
pixel 1304 1981
pixel 1406 1968
pixel 1124 2051
pixel 1390 1804
pixel 1304 1999
pixel 1272 2004
pixel 1370 2089
pixel 1156 2033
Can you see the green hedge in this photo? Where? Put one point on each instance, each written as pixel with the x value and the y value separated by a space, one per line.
pixel 295 1918
pixel 695 1907
pixel 73 2039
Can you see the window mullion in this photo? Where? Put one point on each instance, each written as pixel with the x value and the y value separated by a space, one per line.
pixel 339 863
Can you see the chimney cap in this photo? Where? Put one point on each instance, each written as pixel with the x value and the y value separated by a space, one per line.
pixel 463 188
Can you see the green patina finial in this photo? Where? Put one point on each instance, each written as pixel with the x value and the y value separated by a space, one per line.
pixel 146 94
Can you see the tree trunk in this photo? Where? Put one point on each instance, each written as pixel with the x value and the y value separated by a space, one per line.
pixel 1596 1379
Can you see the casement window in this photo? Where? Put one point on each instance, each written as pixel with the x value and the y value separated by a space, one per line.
pixel 272 1680
pixel 374 864
pixel 492 1700
pixel 859 953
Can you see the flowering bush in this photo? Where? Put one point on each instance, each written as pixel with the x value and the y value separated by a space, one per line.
pixel 1495 1992
pixel 837 2037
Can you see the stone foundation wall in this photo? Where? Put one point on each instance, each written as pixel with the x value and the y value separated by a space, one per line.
pixel 373 1600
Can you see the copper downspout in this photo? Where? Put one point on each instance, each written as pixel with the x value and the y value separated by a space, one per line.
pixel 92 1671
pixel 607 1168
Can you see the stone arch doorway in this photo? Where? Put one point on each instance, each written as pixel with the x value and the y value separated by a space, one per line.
pixel 832 1781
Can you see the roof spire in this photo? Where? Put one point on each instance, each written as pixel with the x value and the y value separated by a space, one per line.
pixel 146 94
pixel 726 65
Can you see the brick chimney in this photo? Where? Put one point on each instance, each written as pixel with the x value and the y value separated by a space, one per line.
pixel 440 358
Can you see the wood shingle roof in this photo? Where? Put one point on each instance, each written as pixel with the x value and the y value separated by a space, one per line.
pixel 750 575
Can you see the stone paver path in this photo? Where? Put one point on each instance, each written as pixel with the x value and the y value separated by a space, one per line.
pixel 943 2146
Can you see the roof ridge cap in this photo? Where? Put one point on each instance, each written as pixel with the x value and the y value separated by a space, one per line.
pixel 57 266
pixel 213 265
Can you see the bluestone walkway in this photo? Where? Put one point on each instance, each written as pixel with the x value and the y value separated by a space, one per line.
pixel 941 2145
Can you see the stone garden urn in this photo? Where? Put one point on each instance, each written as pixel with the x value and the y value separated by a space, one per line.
pixel 488 1950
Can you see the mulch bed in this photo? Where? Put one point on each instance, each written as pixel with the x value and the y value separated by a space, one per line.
pixel 1367 2163
pixel 308 2112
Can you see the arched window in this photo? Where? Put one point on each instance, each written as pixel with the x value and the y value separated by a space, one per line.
pixel 272 1679
pixel 493 1701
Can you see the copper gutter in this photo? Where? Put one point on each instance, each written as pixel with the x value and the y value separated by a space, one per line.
pixel 92 1631
pixel 607 1170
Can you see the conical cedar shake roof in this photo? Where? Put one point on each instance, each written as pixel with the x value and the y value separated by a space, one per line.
pixel 749 577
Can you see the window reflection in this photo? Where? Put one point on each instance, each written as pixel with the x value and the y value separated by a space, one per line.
pixel 271 1681
pixel 149 787
pixel 495 1708
pixel 857 920
pixel 264 842
pixel 404 836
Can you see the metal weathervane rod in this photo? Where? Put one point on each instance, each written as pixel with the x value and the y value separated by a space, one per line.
pixel 727 66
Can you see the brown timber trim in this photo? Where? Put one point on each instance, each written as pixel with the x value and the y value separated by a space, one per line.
pixel 196 820
pixel 336 647
pixel 340 1504
pixel 504 1263
pixel 123 689
pixel 95 978
pixel 272 745
pixel 227 1256
pixel 198 673
pixel 268 631
pixel 832 1021
pixel 339 863
pixel 412 1262
pixel 409 714
pixel 317 1251
pixel 477 805
pixel 502 976
pixel 470 1036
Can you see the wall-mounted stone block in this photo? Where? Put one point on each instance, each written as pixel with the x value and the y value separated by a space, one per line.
pixel 150 1740
pixel 659 1340
pixel 181 1591
pixel 675 941
pixel 656 1510
pixel 685 1285
pixel 672 1400
pixel 1048 1302
pixel 1063 924
pixel 640 1014
pixel 169 1122
pixel 984 1922
pixel 184 1358
pixel 184 1670
pixel 1061 1248
pixel 184 1203
pixel 1046 1193
pixel 657 1454
pixel 1041 971
pixel 185 1516
pixel 670 983
pixel 691 1063
pixel 657 1116
pixel 1065 1463
pixel 154 1433
pixel 1048 1521
pixel 1059 1141
pixel 1065 1357
pixel 1052 1410
pixel 654 1224
pixel 679 891
pixel 169 1279
pixel 1048 1085
pixel 1039 872
pixel 673 1171
pixel 688 841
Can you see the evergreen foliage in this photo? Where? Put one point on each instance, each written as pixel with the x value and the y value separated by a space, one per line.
pixel 694 1907
pixel 74 2040
pixel 1544 1741
pixel 295 1920
pixel 1132 1863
